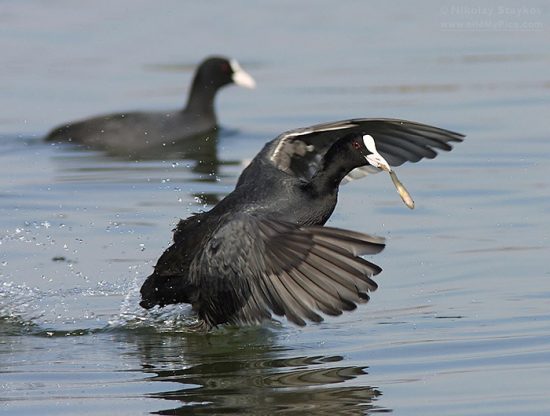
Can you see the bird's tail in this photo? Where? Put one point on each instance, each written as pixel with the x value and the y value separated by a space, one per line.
pixel 165 290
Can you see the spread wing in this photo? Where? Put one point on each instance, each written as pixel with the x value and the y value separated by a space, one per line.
pixel 300 151
pixel 253 267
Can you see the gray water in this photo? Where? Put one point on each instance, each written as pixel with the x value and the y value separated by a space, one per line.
pixel 461 322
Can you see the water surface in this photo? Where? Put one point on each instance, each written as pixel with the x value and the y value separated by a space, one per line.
pixel 460 322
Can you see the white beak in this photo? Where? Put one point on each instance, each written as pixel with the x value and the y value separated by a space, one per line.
pixel 241 77
pixel 375 158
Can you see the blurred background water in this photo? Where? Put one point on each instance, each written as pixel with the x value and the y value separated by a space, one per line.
pixel 460 323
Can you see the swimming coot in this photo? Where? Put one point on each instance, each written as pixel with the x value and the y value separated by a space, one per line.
pixel 132 132
pixel 263 248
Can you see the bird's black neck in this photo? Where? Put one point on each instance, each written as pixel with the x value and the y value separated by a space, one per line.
pixel 201 96
pixel 336 164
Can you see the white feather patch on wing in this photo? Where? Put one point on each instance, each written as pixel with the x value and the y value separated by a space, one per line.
pixel 305 131
pixel 359 173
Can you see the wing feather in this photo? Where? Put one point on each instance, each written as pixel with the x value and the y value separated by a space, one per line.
pixel 283 269
pixel 300 151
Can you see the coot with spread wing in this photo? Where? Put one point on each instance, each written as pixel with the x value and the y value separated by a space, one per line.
pixel 263 249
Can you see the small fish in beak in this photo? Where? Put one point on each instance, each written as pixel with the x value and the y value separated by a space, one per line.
pixel 401 190
pixel 376 160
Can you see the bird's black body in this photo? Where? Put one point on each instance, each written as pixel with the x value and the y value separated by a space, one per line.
pixel 263 248
pixel 135 132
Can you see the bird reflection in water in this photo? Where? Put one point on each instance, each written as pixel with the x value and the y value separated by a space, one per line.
pixel 196 160
pixel 246 372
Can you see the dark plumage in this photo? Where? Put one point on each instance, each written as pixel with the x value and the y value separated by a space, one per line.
pixel 263 249
pixel 133 132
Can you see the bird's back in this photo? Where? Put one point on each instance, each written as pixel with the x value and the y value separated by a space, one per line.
pixel 133 131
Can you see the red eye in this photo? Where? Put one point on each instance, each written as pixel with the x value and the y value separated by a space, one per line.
pixel 225 67
pixel 356 145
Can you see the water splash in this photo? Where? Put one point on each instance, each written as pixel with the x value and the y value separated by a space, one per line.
pixel 172 318
pixel 81 311
pixel 17 302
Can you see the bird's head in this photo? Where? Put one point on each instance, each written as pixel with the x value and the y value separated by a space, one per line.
pixel 365 146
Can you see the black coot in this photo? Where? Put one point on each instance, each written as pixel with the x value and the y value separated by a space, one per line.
pixel 263 249
pixel 132 132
